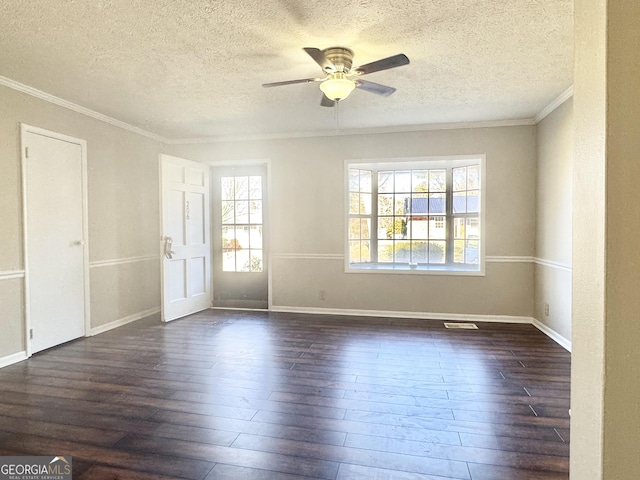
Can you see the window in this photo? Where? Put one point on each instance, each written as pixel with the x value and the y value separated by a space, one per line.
pixel 417 215
pixel 241 223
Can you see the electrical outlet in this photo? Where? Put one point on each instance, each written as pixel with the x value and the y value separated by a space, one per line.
pixel 546 309
pixel 322 295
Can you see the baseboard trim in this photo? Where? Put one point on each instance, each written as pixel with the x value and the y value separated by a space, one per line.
pixel 11 359
pixel 240 309
pixel 461 317
pixel 402 314
pixel 123 321
pixel 552 334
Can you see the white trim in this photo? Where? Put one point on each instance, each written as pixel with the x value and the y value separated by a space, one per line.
pixel 447 162
pixel 403 314
pixel 309 256
pixel 241 309
pixel 461 317
pixel 509 259
pixel 123 321
pixel 488 259
pixel 391 269
pixel 549 263
pixel 356 131
pixel 47 97
pixel 13 358
pixel 338 256
pixel 268 235
pixel 552 334
pixel 11 274
pixel 563 97
pixel 24 130
pixel 122 261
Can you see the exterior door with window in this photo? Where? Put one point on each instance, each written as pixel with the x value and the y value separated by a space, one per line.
pixel 239 241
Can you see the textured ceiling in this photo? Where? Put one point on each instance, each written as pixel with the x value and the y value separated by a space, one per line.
pixel 194 68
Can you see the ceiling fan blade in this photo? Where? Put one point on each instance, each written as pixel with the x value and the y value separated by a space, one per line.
pixel 326 102
pixel 291 82
pixel 384 64
pixel 373 87
pixel 318 56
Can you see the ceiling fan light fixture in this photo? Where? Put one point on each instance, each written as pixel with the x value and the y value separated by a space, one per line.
pixel 337 87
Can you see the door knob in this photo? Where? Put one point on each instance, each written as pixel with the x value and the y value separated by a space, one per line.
pixel 168 243
pixel 79 242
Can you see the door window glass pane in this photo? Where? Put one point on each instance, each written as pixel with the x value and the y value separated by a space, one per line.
pixel 241 218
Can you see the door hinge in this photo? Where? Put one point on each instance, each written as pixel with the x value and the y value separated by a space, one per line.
pixel 31 334
pixel 26 152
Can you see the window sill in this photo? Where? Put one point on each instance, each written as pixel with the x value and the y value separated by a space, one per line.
pixel 388 268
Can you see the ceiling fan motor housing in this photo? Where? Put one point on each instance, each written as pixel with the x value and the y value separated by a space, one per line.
pixel 341 57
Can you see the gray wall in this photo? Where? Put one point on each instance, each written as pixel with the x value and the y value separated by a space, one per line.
pixel 554 217
pixel 123 215
pixel 307 222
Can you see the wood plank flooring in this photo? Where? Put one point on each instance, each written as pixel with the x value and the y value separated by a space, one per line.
pixel 256 395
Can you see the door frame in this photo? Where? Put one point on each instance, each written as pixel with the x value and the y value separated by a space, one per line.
pixel 24 130
pixel 262 162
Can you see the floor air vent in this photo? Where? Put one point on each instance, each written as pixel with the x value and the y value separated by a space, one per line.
pixel 463 326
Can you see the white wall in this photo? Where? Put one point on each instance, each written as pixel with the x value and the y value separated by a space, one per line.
pixel 307 227
pixel 553 220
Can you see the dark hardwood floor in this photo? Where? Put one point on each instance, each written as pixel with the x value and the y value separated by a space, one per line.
pixel 252 395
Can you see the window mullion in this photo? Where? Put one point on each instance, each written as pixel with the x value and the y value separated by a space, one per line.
pixel 449 219
pixel 373 246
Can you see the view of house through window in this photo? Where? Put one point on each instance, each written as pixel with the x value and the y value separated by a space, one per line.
pixel 418 214
pixel 241 224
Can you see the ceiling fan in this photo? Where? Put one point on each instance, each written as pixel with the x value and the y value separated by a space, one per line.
pixel 340 79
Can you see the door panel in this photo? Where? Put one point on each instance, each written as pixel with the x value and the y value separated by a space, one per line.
pixel 186 263
pixel 55 244
pixel 240 275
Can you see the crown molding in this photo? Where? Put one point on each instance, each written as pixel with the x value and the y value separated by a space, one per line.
pixel 563 97
pixel 356 131
pixel 34 92
pixel 61 102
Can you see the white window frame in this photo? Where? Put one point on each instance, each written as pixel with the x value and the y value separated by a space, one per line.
pixel 432 162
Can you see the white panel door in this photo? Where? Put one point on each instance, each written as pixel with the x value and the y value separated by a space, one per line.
pixel 186 247
pixel 55 238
